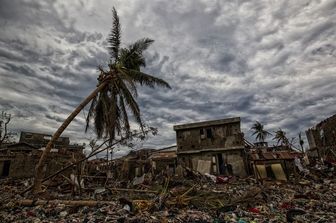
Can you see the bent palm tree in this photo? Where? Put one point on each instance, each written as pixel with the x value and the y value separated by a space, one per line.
pixel 280 136
pixel 115 93
pixel 259 131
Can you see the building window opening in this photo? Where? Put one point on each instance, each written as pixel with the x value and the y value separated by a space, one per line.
pixel 202 133
pixel 209 133
pixel 5 168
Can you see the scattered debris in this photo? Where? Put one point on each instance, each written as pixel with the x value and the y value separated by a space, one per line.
pixel 196 198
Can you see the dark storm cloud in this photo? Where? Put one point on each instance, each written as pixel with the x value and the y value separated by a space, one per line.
pixel 271 62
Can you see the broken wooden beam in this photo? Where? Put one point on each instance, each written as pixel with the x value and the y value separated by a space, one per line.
pixel 90 203
pixel 135 190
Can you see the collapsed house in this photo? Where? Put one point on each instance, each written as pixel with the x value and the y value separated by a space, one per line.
pixel 275 163
pixel 143 161
pixel 164 159
pixel 322 139
pixel 215 147
pixel 135 164
pixel 18 160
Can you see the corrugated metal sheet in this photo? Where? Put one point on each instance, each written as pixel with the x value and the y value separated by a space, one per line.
pixel 278 155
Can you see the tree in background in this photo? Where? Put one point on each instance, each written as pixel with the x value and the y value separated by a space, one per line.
pixel 281 138
pixel 259 132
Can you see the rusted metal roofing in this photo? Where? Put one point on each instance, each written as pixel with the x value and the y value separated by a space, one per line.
pixel 277 155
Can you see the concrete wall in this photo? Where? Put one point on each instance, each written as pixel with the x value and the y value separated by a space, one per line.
pixel 23 165
pixel 162 165
pixel 233 157
pixel 323 135
pixel 217 136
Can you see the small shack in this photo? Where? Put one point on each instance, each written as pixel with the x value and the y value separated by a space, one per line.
pixel 275 165
pixel 163 159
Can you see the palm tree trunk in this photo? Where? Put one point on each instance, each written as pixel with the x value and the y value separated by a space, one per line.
pixel 39 173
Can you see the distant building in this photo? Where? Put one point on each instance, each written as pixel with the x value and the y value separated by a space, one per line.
pixel 164 159
pixel 19 159
pixel 41 140
pixel 322 139
pixel 215 147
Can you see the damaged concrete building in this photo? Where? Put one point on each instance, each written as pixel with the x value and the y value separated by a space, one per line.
pixel 164 159
pixel 322 139
pixel 136 163
pixel 215 147
pixel 18 160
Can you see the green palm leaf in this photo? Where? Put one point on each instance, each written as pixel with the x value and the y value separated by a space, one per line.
pixel 111 108
pixel 114 36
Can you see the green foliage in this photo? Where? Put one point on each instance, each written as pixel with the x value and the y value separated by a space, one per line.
pixel 281 138
pixel 111 108
pixel 259 131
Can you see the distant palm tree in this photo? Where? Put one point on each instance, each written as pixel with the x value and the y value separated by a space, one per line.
pixel 281 138
pixel 259 131
pixel 115 94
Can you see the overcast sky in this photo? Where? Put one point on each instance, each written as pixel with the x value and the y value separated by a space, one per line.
pixel 271 61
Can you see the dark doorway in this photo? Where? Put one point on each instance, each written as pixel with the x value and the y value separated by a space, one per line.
pixel 221 165
pixel 5 169
pixel 269 172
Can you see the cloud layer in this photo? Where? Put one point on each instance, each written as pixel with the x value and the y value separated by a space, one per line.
pixel 260 60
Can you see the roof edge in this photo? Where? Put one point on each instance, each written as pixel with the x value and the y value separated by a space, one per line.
pixel 206 123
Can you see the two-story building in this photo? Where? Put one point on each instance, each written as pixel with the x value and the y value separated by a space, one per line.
pixel 215 147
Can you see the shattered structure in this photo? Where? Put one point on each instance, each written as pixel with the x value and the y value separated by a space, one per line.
pixel 18 160
pixel 322 139
pixel 214 147
pixel 272 163
pixel 212 175
pixel 164 159
pixel 136 163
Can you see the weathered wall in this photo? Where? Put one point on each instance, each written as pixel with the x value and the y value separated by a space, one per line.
pixel 219 136
pixel 161 165
pixel 233 157
pixel 323 135
pixel 41 140
pixel 23 165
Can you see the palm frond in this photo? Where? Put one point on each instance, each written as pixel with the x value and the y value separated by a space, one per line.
pixel 132 57
pixel 124 116
pixel 141 45
pixel 129 81
pixel 99 117
pixel 90 113
pixel 130 101
pixel 114 36
pixel 146 79
pixel 131 60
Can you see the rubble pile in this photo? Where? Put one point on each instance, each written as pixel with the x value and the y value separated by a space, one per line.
pixel 193 198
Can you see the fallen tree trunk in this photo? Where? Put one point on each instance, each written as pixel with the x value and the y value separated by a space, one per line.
pixel 90 203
